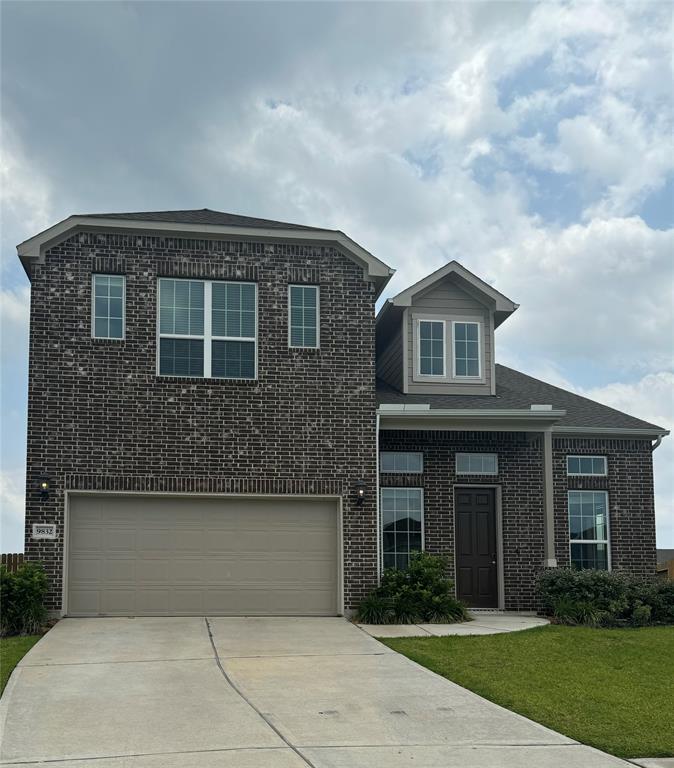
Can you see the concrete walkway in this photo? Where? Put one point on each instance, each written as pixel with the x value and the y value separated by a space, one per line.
pixel 482 624
pixel 254 693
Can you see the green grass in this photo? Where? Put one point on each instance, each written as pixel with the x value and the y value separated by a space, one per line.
pixel 609 688
pixel 12 650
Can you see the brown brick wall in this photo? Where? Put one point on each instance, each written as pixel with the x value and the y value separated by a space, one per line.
pixel 100 418
pixel 629 485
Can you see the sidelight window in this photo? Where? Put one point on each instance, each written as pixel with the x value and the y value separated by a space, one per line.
pixel 402 525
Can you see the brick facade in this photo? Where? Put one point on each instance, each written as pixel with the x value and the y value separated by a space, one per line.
pixel 629 484
pixel 520 466
pixel 99 417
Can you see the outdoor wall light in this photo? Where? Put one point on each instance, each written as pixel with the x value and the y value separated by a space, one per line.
pixel 360 492
pixel 44 484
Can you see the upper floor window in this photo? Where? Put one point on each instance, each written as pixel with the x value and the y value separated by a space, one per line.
pixel 476 464
pixel 207 329
pixel 586 465
pixel 431 346
pixel 108 300
pixel 401 461
pixel 466 343
pixel 303 312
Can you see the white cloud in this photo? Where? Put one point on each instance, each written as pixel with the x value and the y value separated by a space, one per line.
pixel 12 485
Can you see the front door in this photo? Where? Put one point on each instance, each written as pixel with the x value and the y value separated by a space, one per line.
pixel 476 580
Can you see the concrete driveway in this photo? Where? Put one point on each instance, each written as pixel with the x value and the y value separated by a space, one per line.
pixel 254 693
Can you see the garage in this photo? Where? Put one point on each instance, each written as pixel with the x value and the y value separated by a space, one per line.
pixel 175 556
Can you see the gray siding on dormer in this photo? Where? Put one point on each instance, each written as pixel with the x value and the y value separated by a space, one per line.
pixel 390 361
pixel 448 301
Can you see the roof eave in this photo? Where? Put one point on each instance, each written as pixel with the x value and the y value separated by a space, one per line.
pixel 33 249
pixel 422 417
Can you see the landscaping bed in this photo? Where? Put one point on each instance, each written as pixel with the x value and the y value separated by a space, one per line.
pixel 609 688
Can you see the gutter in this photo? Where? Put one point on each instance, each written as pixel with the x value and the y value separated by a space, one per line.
pixel 423 410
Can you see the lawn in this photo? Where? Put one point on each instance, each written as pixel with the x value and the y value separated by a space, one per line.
pixel 610 688
pixel 12 650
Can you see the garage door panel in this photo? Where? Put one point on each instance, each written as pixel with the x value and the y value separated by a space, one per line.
pixel 161 556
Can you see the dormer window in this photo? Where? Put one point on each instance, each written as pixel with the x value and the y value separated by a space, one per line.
pixel 466 346
pixel 431 347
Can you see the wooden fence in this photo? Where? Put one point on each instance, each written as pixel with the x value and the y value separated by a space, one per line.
pixel 12 560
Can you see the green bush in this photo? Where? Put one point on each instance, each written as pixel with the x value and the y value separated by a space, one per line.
pixel 421 593
pixel 605 598
pixel 22 594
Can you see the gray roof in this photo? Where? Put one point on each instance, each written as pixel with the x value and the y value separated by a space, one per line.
pixel 518 391
pixel 202 216
pixel 665 555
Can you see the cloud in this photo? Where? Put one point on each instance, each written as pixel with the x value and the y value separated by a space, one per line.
pixel 12 492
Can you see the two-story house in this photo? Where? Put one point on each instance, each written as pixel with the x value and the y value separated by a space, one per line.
pixel 218 424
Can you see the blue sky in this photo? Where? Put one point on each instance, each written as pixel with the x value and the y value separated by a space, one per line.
pixel 532 142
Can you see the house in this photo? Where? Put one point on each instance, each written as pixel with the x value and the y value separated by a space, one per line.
pixel 218 424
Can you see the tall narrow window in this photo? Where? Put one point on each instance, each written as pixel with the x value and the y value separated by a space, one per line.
pixel 303 314
pixel 401 513
pixel 233 330
pixel 207 329
pixel 588 529
pixel 431 347
pixel 107 320
pixel 466 350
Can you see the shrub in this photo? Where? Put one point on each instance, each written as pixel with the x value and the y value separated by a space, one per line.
pixel 605 598
pixel 419 593
pixel 22 594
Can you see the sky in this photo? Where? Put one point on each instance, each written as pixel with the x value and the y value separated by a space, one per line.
pixel 531 142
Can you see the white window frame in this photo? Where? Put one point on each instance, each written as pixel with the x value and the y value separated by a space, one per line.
pixel 480 374
pixel 94 275
pixel 381 521
pixel 606 541
pixel 317 289
pixel 208 336
pixel 586 474
pixel 459 473
pixel 402 471
pixel 417 358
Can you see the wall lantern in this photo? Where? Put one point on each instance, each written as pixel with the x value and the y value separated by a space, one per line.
pixel 360 492
pixel 44 484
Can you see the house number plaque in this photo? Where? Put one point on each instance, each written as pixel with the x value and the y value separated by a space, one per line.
pixel 44 531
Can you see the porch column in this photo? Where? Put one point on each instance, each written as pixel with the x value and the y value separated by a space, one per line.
pixel 550 560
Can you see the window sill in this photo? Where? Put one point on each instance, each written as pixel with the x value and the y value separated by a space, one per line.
pixel 107 342
pixel 203 380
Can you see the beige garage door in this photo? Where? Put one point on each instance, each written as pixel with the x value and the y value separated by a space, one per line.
pixel 162 556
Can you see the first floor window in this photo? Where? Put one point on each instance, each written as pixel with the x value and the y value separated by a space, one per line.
pixel 586 465
pixel 402 514
pixel 588 529
pixel 466 350
pixel 207 329
pixel 431 347
pixel 401 461
pixel 303 312
pixel 108 307
pixel 476 464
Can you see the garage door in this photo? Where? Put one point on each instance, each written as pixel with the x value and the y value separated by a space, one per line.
pixel 144 556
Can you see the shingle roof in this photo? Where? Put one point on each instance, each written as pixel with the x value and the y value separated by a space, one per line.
pixel 518 391
pixel 202 216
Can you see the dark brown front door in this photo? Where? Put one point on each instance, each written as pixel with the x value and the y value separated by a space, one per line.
pixel 476 581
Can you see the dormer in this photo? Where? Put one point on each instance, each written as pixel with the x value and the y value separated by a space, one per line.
pixel 437 337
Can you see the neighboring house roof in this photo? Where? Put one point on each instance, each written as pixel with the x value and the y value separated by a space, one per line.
pixel 206 223
pixel 665 555
pixel 517 391
pixel 502 306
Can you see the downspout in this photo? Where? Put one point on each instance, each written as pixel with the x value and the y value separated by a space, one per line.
pixel 377 511
pixel 656 444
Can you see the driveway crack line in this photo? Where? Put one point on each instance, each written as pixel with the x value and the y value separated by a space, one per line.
pixel 233 685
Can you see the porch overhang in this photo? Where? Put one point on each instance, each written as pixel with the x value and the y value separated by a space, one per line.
pixel 421 417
